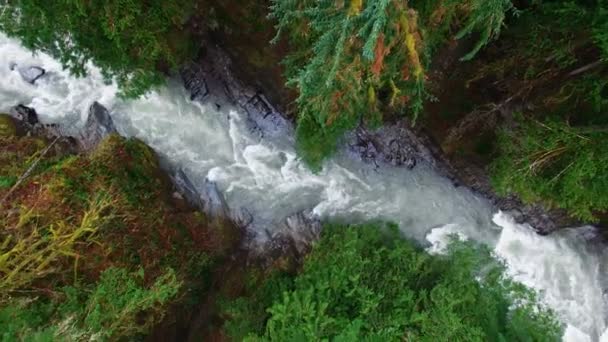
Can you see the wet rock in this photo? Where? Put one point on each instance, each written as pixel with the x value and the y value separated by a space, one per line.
pixel 207 197
pixel 400 145
pixel 25 115
pixel 242 218
pixel 186 188
pixel 213 201
pixel 294 236
pixel 30 74
pixel 98 126
pixel 303 228
pixel 396 145
pixel 196 84
pixel 212 82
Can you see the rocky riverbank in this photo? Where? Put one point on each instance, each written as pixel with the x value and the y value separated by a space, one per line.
pixel 398 143
pixel 214 79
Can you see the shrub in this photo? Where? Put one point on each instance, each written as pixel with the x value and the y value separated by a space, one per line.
pixel 119 306
pixel 556 163
pixel 26 256
pixel 366 283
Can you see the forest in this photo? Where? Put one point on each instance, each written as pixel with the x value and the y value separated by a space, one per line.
pixel 96 246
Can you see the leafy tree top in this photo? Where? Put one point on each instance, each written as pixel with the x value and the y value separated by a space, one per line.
pixel 128 39
pixel 354 60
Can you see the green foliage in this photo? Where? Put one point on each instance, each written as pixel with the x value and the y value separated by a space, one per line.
pixel 115 307
pixel 26 320
pixel 128 39
pixel 247 316
pixel 554 162
pixel 555 152
pixel 557 29
pixel 7 182
pixel 337 66
pixel 579 15
pixel 27 255
pixel 366 283
pixel 119 306
pixel 487 18
pixel 87 221
pixel 352 61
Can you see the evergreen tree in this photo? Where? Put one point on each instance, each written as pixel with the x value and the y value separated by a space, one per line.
pixel 351 61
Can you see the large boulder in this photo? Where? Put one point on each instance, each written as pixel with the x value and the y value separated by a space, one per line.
pixel 98 126
pixel 25 115
pixel 207 197
pixel 30 74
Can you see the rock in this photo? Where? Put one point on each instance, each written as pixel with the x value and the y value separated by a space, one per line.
pixel 25 115
pixel 8 128
pixel 31 74
pixel 303 228
pixel 213 82
pixel 242 218
pixel 207 197
pixel 395 144
pixel 98 126
pixel 213 200
pixel 176 195
pixel 293 237
pixel 196 84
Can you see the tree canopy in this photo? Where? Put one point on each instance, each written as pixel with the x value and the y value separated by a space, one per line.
pixel 367 283
pixel 355 61
pixel 129 40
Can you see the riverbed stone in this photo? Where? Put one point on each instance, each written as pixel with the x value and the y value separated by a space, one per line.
pixel 25 115
pixel 98 126
pixel 31 74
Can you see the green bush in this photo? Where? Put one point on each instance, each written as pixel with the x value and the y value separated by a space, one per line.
pixel 119 306
pixel 553 162
pixel 552 64
pixel 366 283
pixel 247 315
pixel 127 39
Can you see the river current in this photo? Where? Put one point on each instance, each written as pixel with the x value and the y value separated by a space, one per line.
pixel 262 174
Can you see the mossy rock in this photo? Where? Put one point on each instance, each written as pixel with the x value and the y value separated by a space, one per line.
pixel 7 126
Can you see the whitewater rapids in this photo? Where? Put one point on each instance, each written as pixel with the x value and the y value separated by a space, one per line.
pixel 265 176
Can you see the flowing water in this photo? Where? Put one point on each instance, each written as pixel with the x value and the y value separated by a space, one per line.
pixel 264 176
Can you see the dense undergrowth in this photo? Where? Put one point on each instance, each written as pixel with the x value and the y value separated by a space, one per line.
pixel 366 283
pixel 94 246
pixel 555 150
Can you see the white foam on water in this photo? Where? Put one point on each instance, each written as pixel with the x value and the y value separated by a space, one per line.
pixel 565 270
pixel 266 177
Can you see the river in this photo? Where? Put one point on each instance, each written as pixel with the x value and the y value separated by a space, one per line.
pixel 261 172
